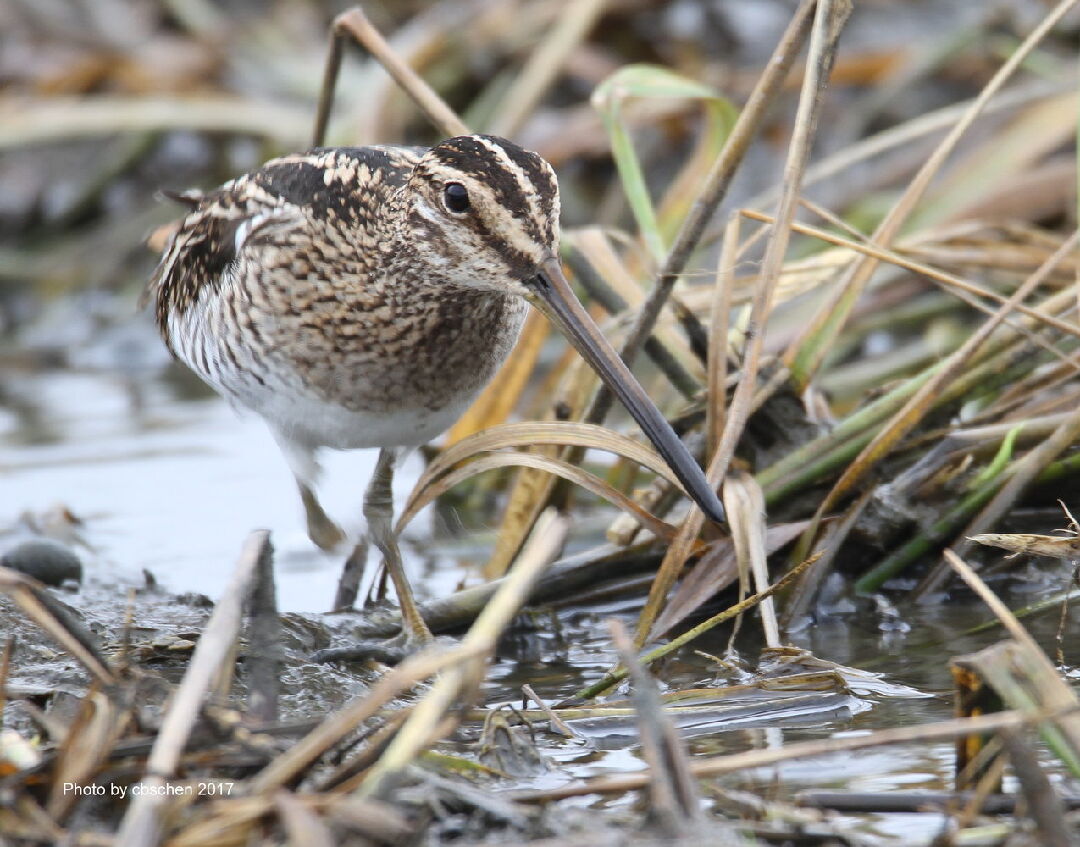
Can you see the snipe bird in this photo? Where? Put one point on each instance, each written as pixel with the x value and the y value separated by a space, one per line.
pixel 362 296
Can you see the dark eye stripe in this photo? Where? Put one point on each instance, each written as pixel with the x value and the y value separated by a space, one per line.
pixel 504 173
pixel 479 164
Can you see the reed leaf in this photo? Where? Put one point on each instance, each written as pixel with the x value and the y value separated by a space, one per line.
pixel 652 81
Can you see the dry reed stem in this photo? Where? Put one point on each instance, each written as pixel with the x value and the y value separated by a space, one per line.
pixel 829 545
pixel 923 400
pixel 745 506
pixel 1023 473
pixel 674 801
pixel 560 433
pixel 1055 693
pixel 349 768
pixel 619 674
pixel 141 824
pixel 291 764
pixel 263 663
pixel 100 722
pixel 43 609
pixel 719 348
pixel 572 24
pixel 531 491
pixel 26 124
pixel 715 571
pixel 459 683
pixel 988 784
pixel 806 353
pixel 555 467
pixel 828 21
pixel 5 670
pixel 229 823
pixel 912 131
pixel 557 723
pixel 1043 803
pixel 750 118
pixel 675 558
pixel 301 824
pixel 946 281
pixel 356 24
pixel 719 765
pixel 526 501
pixel 530 434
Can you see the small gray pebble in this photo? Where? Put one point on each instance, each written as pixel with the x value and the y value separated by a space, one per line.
pixel 46 561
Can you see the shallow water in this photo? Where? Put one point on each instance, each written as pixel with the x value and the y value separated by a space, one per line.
pixel 168 478
pixel 918 658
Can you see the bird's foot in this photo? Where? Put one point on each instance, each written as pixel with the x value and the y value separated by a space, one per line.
pixel 390 652
pixel 325 534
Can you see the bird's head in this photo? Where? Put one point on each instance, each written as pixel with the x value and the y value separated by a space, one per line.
pixel 483 212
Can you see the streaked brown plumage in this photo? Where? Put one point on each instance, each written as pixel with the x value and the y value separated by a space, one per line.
pixel 361 297
pixel 285 293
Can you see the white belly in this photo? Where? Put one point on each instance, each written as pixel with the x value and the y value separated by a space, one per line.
pixel 314 423
pixel 253 378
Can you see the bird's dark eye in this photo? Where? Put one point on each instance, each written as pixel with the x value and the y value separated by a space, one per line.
pixel 456 197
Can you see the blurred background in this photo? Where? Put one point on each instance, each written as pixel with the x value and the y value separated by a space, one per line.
pixel 108 445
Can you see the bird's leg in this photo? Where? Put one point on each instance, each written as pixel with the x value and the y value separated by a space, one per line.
pixel 379 513
pixel 326 534
pixel 300 455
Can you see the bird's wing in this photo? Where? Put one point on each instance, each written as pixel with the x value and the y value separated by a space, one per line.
pixel 211 237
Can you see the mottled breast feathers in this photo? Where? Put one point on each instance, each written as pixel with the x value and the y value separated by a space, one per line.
pixel 359 296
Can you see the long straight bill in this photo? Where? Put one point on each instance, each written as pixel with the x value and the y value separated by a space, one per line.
pixel 554 297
